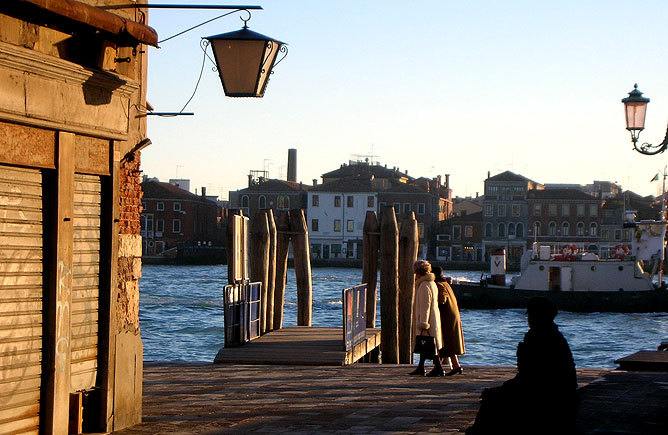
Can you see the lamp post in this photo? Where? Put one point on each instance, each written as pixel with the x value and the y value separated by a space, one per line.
pixel 244 59
pixel 635 107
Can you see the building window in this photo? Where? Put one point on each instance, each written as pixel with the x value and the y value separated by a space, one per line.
pixel 456 232
pixel 350 225
pixel 552 228
pixel 421 208
pixel 468 231
pixel 159 225
pixel 627 235
pixel 580 229
pixel 262 202
pixel 493 189
pixel 397 207
pixel 244 202
pixel 511 229
pixel 536 209
pixel 314 225
pixel 337 225
pixel 407 207
pixel 177 206
pixel 176 226
pixel 593 229
pixel 350 201
pixel 552 209
pixel 565 209
pixel 502 209
pixel 337 201
pixel 580 210
pixel 382 205
pixel 284 202
pixel 565 229
pixel 160 206
pixel 536 228
pixel 604 234
pixel 315 200
pixel 370 201
pixel 488 229
pixel 593 210
pixel 421 230
pixel 502 229
pixel 519 230
pixel 143 206
pixel 489 209
pixel 618 235
pixel 516 210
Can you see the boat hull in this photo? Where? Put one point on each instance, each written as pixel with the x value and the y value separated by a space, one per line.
pixel 476 296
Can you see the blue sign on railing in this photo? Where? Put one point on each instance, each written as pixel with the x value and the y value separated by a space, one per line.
pixel 241 313
pixel 354 315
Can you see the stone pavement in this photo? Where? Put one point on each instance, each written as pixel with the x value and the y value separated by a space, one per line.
pixel 204 398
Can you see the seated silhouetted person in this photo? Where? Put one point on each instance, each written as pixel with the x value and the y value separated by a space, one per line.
pixel 542 398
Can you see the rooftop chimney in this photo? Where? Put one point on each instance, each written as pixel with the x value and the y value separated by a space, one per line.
pixel 447 181
pixel 315 181
pixel 203 191
pixel 292 164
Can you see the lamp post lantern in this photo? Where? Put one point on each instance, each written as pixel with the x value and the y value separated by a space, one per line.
pixel 635 109
pixel 245 60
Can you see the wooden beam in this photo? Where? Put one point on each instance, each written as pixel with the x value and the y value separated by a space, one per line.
pixel 389 286
pixel 408 251
pixel 370 245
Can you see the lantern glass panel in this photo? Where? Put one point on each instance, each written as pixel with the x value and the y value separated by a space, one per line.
pixel 239 65
pixel 268 64
pixel 635 115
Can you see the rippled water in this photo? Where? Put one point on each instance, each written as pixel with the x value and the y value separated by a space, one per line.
pixel 182 319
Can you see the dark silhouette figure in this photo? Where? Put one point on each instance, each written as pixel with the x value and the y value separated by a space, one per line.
pixel 542 398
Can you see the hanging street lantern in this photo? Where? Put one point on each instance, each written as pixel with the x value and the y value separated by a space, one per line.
pixel 635 109
pixel 245 60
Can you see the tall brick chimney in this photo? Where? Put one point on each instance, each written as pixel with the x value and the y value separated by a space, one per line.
pixel 292 164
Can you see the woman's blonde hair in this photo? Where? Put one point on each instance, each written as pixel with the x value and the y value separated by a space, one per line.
pixel 421 267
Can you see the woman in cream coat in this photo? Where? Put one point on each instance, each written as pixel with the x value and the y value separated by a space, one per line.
pixel 426 317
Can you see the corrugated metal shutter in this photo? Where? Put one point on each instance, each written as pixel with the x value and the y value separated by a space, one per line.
pixel 21 265
pixel 86 281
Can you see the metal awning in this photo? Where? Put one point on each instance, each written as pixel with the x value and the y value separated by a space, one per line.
pixel 123 30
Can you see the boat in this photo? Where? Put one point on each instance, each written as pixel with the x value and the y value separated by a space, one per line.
pixel 630 282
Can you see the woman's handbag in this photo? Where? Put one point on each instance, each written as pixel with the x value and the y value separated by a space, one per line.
pixel 425 345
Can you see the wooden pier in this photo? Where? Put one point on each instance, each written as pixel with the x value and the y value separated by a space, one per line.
pixel 303 345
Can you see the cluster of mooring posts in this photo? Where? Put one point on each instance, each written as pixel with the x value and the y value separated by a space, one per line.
pixel 398 247
pixel 384 242
pixel 269 243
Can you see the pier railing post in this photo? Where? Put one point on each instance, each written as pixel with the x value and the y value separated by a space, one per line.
pixel 259 260
pixel 282 248
pixel 389 286
pixel 302 257
pixel 370 243
pixel 408 251
pixel 271 273
pixel 229 233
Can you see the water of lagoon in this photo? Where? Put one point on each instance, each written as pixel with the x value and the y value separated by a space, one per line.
pixel 181 315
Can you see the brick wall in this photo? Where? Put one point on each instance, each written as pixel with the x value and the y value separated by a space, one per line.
pixel 130 245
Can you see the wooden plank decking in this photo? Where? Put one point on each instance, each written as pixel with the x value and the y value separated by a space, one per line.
pixel 302 345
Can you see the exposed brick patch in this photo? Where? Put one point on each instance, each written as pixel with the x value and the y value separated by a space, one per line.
pixel 130 196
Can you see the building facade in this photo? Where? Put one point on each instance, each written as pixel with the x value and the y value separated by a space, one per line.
pixel 460 239
pixel 172 217
pixel 267 193
pixel 69 219
pixel 506 214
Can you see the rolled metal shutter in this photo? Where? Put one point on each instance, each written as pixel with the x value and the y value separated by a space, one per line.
pixel 85 281
pixel 21 290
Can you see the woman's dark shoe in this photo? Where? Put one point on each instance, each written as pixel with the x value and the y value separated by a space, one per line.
pixel 417 372
pixel 435 373
pixel 458 370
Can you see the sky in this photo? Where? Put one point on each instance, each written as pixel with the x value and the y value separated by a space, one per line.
pixel 431 87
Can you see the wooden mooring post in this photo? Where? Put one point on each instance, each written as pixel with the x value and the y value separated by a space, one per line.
pixel 302 258
pixel 389 286
pixel 229 243
pixel 271 274
pixel 259 260
pixel 370 243
pixel 282 248
pixel 408 251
